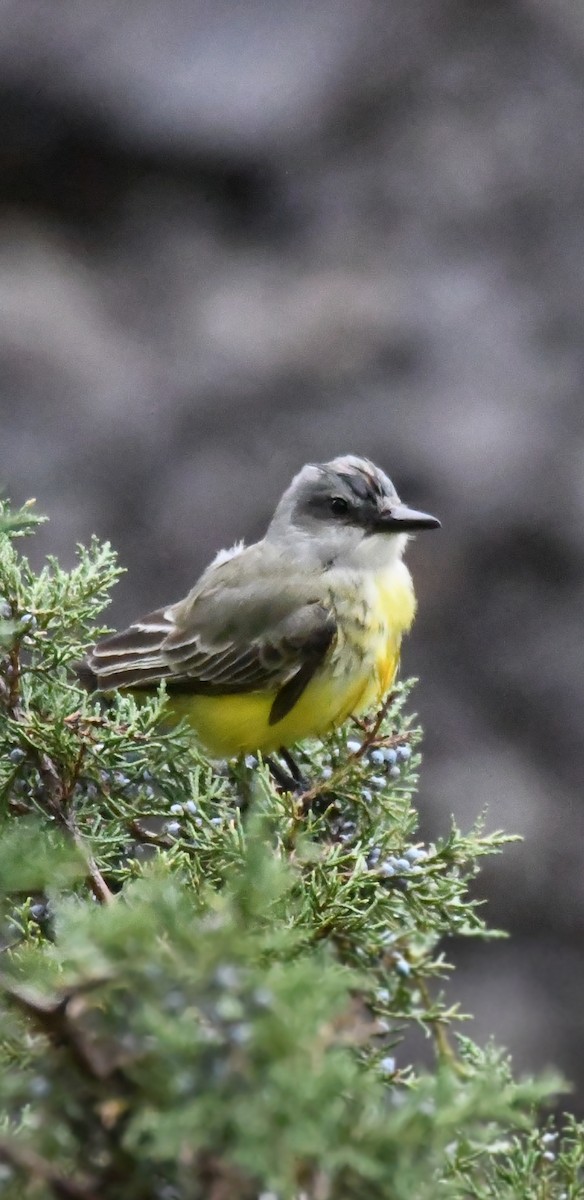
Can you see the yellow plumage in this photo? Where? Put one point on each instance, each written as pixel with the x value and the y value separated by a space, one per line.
pixel 372 618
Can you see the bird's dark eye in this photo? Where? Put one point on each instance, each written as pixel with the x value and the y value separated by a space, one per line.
pixel 339 506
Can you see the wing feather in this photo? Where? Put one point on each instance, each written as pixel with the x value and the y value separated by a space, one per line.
pixel 222 640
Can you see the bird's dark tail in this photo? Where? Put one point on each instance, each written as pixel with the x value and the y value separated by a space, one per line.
pixel 87 678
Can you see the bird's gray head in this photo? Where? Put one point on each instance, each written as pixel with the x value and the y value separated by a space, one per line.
pixel 342 510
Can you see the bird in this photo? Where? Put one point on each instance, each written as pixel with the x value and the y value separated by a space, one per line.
pixel 287 638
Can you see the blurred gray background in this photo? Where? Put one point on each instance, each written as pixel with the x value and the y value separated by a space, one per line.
pixel 238 236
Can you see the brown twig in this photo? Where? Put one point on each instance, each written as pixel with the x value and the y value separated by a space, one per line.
pixel 370 733
pixel 56 793
pixel 97 883
pixel 57 797
pixel 444 1048
pixel 25 1159
pixel 150 837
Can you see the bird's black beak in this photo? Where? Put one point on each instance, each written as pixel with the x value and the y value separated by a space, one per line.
pixel 398 518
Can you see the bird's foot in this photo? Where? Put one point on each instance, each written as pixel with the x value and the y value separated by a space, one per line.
pixel 291 780
pixel 284 780
pixel 317 799
pixel 300 780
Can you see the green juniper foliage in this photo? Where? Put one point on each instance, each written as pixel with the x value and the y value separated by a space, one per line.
pixel 204 983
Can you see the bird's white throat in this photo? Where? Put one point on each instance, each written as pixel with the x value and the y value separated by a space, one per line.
pixel 378 552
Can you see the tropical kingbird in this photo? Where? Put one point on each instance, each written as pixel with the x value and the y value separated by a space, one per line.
pixel 287 638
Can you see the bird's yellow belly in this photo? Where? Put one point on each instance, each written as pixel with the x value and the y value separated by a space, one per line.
pixel 355 676
pixel 229 725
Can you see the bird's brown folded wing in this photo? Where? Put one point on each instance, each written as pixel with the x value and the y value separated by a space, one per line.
pixel 234 651
pixel 132 658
